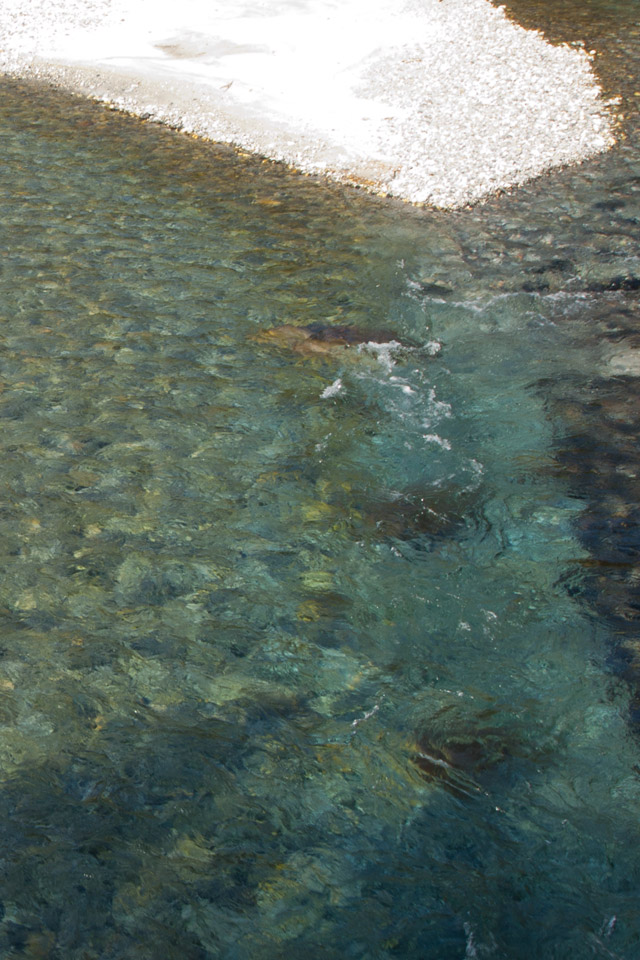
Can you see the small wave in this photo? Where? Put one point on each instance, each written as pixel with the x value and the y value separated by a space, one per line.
pixel 437 409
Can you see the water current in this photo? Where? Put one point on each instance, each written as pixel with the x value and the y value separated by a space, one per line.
pixel 319 546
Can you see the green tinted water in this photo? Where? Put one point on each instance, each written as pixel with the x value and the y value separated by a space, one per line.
pixel 302 653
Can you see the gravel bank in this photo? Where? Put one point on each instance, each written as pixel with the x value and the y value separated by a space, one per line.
pixel 434 101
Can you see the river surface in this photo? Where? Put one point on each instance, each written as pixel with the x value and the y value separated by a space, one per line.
pixel 319 553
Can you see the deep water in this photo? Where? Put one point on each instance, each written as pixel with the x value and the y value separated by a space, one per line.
pixel 319 556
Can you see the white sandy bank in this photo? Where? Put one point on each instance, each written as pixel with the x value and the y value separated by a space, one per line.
pixel 437 101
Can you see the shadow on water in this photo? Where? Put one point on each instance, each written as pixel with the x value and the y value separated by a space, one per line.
pixel 609 28
pixel 598 434
pixel 599 455
pixel 319 526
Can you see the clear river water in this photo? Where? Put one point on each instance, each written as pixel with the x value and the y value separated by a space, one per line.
pixel 320 551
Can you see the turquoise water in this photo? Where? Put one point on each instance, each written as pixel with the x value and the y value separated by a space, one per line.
pixel 308 639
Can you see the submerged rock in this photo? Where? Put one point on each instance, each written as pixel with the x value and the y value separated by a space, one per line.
pixel 463 757
pixel 322 337
pixel 471 754
pixel 416 515
pixel 623 363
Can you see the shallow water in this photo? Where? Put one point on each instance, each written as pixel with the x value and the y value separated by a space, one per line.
pixel 312 643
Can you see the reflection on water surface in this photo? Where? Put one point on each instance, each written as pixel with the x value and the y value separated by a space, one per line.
pixel 309 642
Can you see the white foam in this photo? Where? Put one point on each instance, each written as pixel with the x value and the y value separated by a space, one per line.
pixel 438 440
pixel 332 390
pixel 383 352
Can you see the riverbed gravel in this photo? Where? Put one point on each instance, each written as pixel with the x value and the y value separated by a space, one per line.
pixel 442 102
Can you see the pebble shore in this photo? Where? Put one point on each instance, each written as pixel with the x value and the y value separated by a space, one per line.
pixel 442 102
